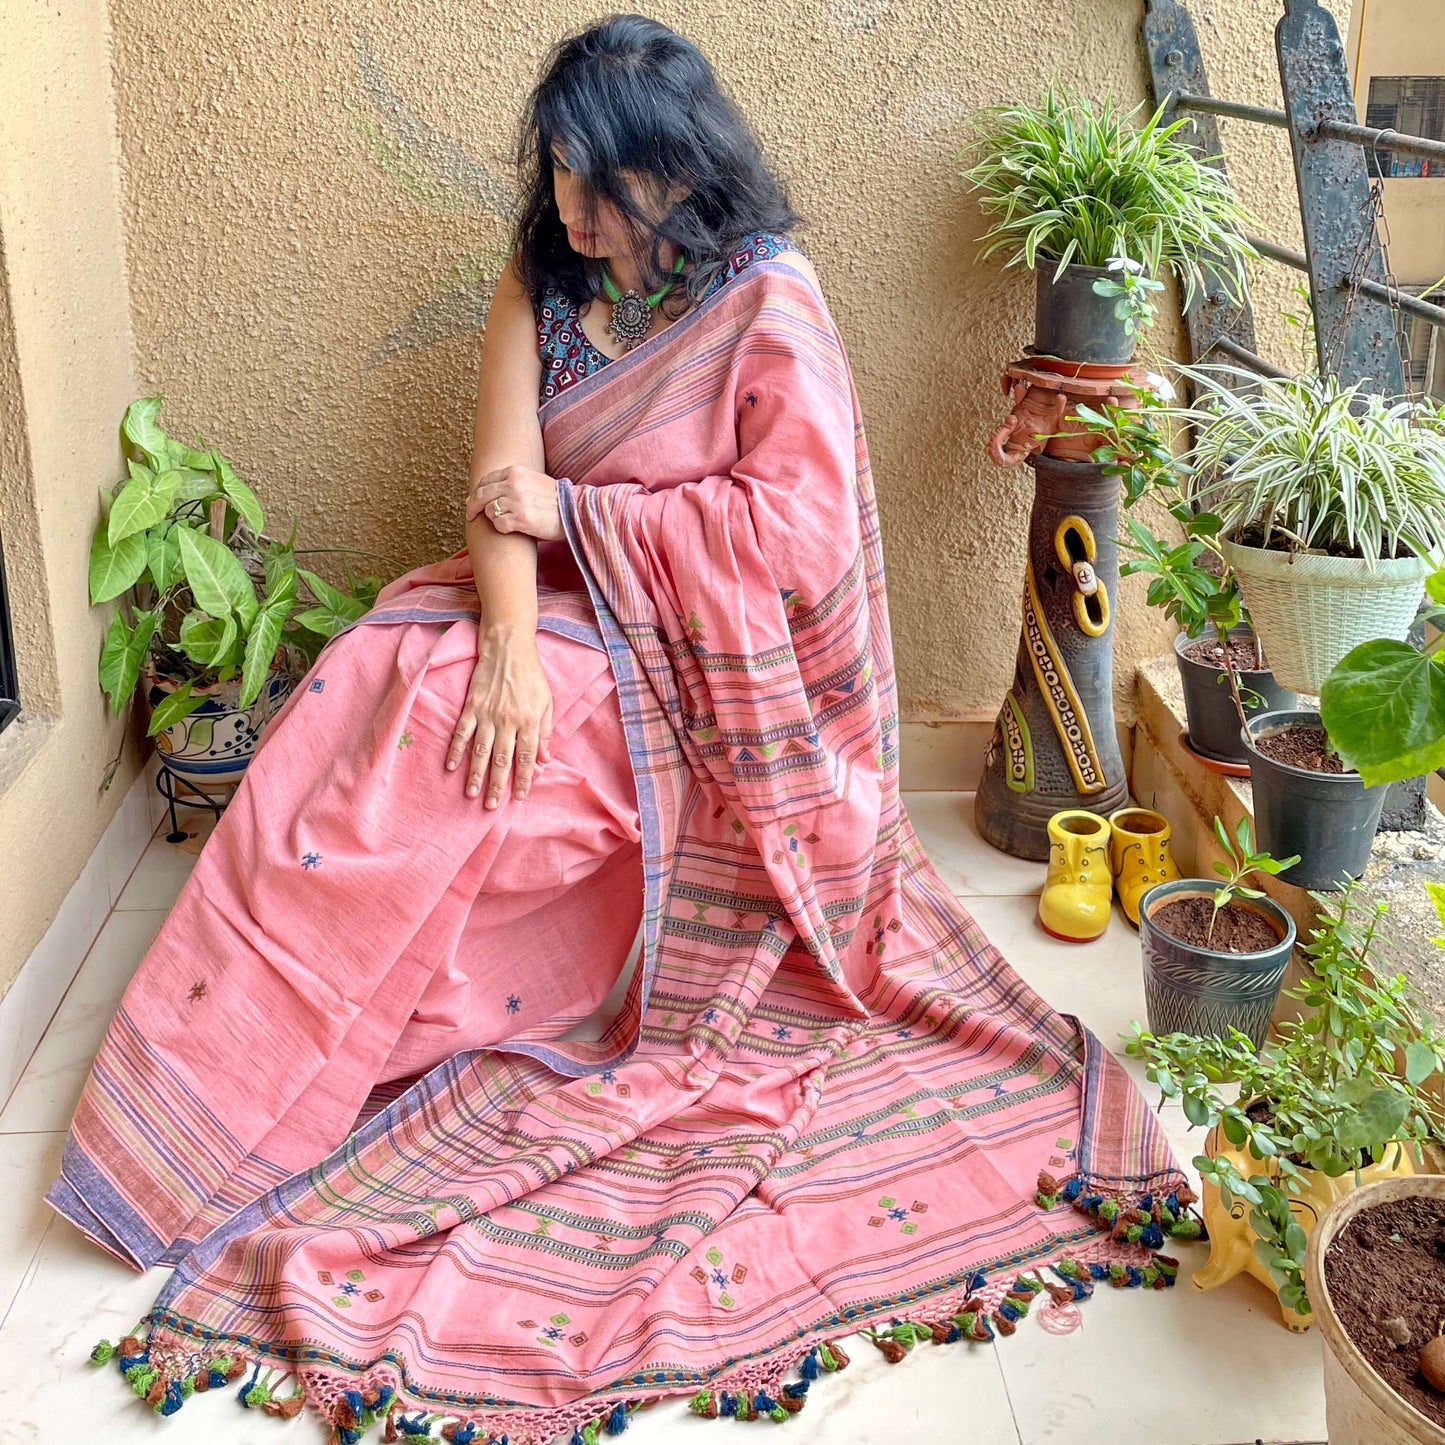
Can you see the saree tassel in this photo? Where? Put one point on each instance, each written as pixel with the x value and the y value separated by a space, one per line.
pixel 141 1377
pixel 809 1367
pixel 703 1403
pixel 460 1432
pixel 617 1419
pixel 789 1404
pixel 796 1391
pixel 172 1398
pixel 156 1395
pixel 414 1426
pixel 103 1353
pixel 764 1404
pixel 727 1403
pixel 256 1393
pixel 389 1432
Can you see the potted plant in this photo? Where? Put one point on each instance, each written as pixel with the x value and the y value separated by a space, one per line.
pixel 1307 798
pixel 1383 705
pixel 1339 1098
pixel 1102 209
pixel 1375 1272
pixel 205 601
pixel 1221 663
pixel 1330 500
pixel 1215 955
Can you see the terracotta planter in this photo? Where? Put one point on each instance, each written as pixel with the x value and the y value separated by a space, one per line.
pixel 1360 1408
pixel 1232 1237
pixel 215 743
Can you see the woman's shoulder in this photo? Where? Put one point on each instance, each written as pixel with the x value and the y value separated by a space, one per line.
pixel 765 246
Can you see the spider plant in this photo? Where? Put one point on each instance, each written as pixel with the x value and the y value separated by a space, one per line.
pixel 1070 182
pixel 1303 463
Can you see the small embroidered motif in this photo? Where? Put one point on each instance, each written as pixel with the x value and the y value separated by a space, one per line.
pixel 310 860
pixel 404 741
pixel 319 685
pixel 198 991
pixel 898 1213
pixel 513 1003
pixel 782 1032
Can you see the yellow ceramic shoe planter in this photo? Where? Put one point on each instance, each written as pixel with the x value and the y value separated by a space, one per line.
pixel 1232 1237
pixel 1079 890
pixel 1139 855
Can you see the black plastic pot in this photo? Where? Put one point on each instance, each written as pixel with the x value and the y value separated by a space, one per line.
pixel 1072 322
pixel 1329 819
pixel 1194 990
pixel 1209 704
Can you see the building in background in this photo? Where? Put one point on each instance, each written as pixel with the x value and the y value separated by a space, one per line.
pixel 1397 61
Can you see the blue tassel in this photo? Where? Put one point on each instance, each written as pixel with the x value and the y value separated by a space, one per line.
pixel 1172 1204
pixel 255 1379
pixel 809 1368
pixel 418 1425
pixel 1090 1202
pixel 173 1400
pixel 124 1362
pixel 727 1404
pixel 1146 1203
pixel 386 1394
pixel 1098 1271
pixel 1153 1236
pixel 763 1402
pixel 464 1434
pixel 796 1392
pixel 617 1420
pixel 1072 1189
pixel 1136 1276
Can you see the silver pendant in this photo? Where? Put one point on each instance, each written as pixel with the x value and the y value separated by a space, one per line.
pixel 631 318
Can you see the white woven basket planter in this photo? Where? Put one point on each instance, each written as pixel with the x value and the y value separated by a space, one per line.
pixel 1311 610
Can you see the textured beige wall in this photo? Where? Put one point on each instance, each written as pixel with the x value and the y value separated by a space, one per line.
pixel 289 241
pixel 1405 37
pixel 66 373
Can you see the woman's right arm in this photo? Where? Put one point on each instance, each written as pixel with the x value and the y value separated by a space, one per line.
pixel 507 717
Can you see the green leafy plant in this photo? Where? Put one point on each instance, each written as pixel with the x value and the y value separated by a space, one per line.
pixel 1241 862
pixel 1303 463
pixel 201 592
pixel 1133 293
pixel 1337 1090
pixel 1189 579
pixel 1068 181
pixel 1383 705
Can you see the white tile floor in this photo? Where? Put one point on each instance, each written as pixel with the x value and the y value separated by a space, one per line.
pixel 1167 1368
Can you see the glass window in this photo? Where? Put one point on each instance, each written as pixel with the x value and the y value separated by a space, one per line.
pixel 1413 105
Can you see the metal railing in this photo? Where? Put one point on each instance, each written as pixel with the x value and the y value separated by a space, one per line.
pixel 1353 298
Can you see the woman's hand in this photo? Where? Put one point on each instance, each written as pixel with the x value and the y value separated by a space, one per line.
pixel 518 499
pixel 507 717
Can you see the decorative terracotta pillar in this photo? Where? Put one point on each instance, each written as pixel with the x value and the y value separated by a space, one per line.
pixel 1054 745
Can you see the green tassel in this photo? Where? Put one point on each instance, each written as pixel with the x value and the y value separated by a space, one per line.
pixel 1109 1210
pixel 188 1387
pixel 826 1358
pixel 103 1353
pixel 700 1402
pixel 142 1377
pixel 778 1413
pixel 589 1432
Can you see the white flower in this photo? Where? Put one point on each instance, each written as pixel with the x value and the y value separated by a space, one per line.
pixel 1125 263
pixel 1161 386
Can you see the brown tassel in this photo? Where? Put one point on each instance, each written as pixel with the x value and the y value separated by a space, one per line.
pixel 157 1391
pixel 130 1345
pixel 791 1403
pixel 1004 1325
pixel 344 1416
pixel 1047 1183
pixel 842 1359
pixel 203 1380
pixel 940 1334
pixel 235 1369
pixel 892 1351
pixel 1185 1195
pixel 389 1435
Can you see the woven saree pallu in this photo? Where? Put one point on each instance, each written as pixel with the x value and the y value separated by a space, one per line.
pixel 827 1105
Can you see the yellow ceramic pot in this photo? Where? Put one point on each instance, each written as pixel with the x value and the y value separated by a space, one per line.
pixel 1139 855
pixel 1079 890
pixel 1232 1237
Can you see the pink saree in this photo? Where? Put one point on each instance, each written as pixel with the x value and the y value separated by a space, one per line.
pixel 827 1103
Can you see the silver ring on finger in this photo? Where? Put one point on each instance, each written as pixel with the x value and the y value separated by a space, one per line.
pixel 497 507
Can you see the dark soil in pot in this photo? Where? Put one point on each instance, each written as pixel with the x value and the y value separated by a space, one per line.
pixel 1209 652
pixel 1386 1276
pixel 1236 929
pixel 1307 748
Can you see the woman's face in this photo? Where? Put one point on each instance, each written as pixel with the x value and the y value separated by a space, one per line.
pixel 607 233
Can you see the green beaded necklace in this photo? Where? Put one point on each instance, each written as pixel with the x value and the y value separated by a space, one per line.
pixel 631 310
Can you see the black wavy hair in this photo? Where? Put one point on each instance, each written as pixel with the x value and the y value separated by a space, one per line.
pixel 628 93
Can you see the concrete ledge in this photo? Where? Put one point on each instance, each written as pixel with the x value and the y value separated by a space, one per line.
pixel 1166 776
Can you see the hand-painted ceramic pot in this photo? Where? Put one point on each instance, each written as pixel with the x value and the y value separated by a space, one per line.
pixel 1193 990
pixel 214 744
